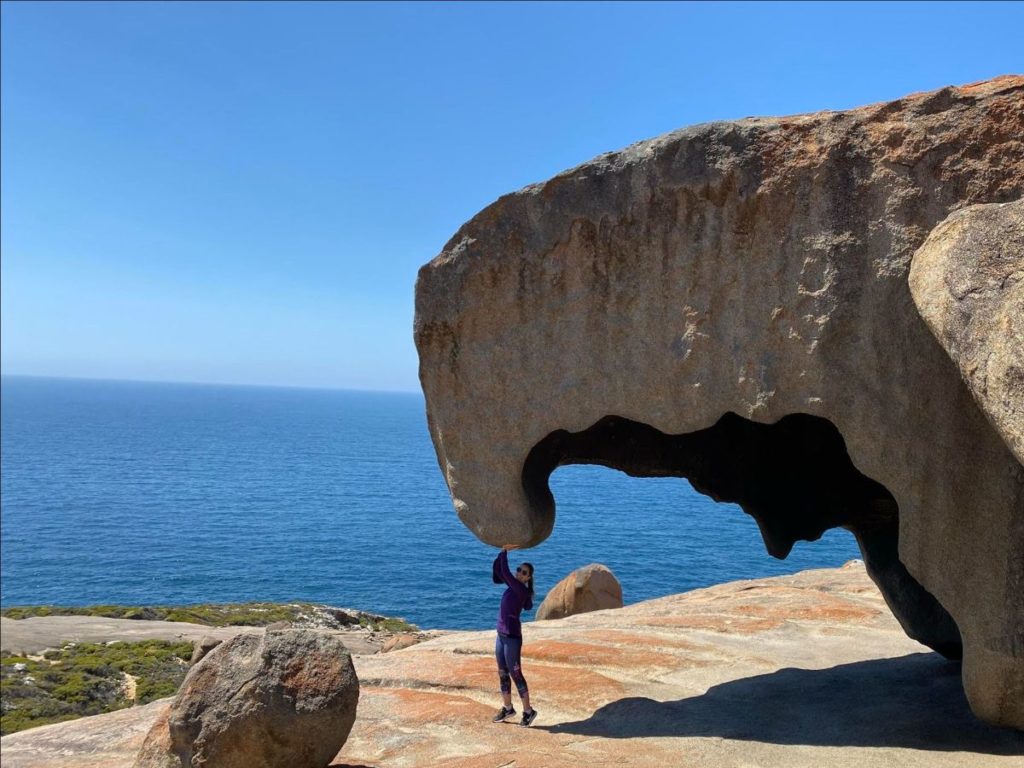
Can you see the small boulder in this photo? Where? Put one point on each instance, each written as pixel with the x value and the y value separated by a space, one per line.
pixel 590 588
pixel 398 642
pixel 283 699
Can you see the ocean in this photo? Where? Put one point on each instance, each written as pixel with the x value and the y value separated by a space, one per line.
pixel 147 493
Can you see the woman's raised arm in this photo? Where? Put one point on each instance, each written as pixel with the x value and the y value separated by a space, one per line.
pixel 501 564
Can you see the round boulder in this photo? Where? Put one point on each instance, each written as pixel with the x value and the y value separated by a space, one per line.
pixel 284 699
pixel 590 588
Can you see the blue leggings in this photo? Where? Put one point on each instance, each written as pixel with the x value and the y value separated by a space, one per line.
pixel 507 650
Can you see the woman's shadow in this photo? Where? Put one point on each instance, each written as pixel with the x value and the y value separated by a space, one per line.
pixel 913 701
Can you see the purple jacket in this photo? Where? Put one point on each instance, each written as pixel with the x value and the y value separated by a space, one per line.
pixel 516 597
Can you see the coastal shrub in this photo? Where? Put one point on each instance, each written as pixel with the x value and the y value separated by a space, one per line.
pixel 103 611
pixel 93 692
pixel 387 625
pixel 87 679
pixel 396 625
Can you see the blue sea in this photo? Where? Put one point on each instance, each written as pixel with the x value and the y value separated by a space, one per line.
pixel 145 493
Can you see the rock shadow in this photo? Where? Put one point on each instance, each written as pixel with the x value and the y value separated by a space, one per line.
pixel 914 701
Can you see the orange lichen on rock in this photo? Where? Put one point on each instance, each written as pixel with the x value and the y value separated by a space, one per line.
pixel 436 705
pixel 715 623
pixel 593 655
pixel 637 639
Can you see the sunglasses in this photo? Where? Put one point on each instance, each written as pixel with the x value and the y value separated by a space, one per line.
pixel 523 571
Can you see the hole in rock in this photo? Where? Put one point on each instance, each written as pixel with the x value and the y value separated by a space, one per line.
pixel 794 477
pixel 660 536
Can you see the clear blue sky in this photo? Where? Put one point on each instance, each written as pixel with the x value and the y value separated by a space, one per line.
pixel 242 193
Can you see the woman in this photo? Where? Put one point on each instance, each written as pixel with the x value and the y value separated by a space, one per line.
pixel 509 644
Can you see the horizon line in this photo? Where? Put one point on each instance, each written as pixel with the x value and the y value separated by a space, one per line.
pixel 209 384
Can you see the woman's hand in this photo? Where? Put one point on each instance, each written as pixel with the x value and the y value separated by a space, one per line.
pixel 510 547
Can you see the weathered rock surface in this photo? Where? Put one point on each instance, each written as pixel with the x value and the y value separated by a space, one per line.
pixel 590 588
pixel 792 672
pixel 286 699
pixel 398 642
pixel 730 303
pixel 203 646
pixel 968 283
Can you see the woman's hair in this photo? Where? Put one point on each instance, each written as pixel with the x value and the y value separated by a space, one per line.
pixel 530 584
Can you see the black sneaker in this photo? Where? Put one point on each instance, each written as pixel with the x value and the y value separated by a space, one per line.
pixel 506 712
pixel 528 717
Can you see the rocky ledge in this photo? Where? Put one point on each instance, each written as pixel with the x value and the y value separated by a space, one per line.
pixel 802 670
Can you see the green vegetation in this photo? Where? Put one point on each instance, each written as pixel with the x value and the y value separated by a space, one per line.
pixel 224 615
pixel 92 678
pixel 388 625
pixel 220 615
pixel 87 679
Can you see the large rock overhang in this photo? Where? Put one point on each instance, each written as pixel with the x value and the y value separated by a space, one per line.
pixel 759 269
